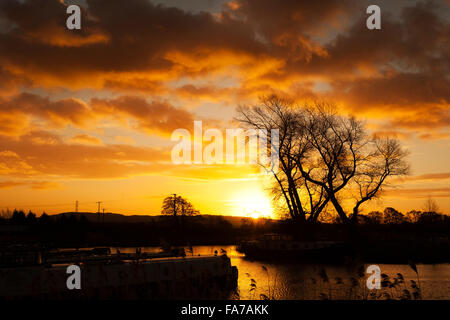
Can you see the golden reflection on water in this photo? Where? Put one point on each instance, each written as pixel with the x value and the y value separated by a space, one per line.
pixel 306 281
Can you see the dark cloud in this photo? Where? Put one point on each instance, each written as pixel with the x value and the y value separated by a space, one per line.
pixel 17 113
pixel 137 35
pixel 58 112
pixel 153 116
pixel 269 46
pixel 405 90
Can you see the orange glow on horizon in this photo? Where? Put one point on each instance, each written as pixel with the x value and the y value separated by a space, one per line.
pixel 253 204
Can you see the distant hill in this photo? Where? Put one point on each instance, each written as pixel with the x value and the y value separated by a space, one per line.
pixel 110 217
pixel 121 218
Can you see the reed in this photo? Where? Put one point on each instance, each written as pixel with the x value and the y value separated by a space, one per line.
pixel 354 288
pixel 270 293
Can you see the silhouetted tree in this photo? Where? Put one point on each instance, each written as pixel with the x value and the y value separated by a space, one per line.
pixel 44 218
pixel 18 217
pixel 392 216
pixel 430 217
pixel 31 218
pixel 178 206
pixel 290 185
pixel 324 157
pixel 413 216
pixel 5 213
pixel 375 217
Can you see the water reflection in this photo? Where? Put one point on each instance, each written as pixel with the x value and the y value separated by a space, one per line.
pixel 317 281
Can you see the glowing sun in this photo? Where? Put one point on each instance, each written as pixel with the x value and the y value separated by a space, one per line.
pixel 253 204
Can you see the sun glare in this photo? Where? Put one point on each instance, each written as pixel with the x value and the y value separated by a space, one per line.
pixel 253 204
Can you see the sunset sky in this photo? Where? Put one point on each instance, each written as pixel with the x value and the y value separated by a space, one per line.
pixel 88 114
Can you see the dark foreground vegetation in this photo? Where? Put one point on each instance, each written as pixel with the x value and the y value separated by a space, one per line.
pixel 387 236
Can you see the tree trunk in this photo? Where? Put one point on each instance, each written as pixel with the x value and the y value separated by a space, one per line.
pixel 339 209
pixel 355 214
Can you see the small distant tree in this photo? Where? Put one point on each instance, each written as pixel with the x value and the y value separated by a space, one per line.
pixel 392 216
pixel 31 218
pixel 430 217
pixel 413 216
pixel 178 206
pixel 327 216
pixel 44 218
pixel 430 205
pixel 375 217
pixel 6 214
pixel 18 217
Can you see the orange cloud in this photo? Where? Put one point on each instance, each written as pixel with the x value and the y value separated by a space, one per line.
pixel 265 46
pixel 434 135
pixel 17 114
pixel 44 185
pixel 76 160
pixel 29 157
pixel 431 176
pixel 10 184
pixel 85 139
pixel 422 193
pixel 35 185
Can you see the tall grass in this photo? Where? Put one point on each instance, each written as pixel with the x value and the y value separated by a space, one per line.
pixel 355 288
pixel 324 287
pixel 270 293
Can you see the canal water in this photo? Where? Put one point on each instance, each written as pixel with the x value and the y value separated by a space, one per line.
pixel 258 280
